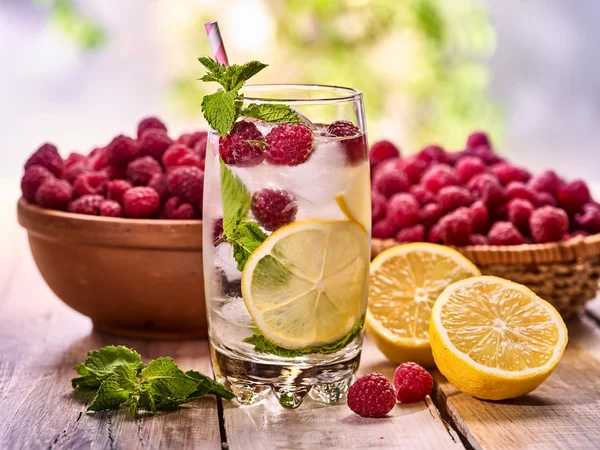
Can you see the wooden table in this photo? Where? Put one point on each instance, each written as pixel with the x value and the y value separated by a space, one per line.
pixel 41 339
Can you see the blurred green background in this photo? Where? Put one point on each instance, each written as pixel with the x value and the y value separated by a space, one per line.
pixel 421 64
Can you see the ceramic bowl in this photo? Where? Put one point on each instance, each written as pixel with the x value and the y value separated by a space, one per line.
pixel 138 278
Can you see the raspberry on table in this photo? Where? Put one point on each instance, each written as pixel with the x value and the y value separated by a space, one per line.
pixel 273 207
pixel 452 197
pixel 430 214
pixel 355 148
pixel 48 157
pixel 414 233
pixel 87 204
pixel 33 178
pixel 412 382
pixel 110 208
pixel 381 151
pixel 121 151
pixel 244 145
pixel 478 139
pixel 573 195
pixel 488 189
pixel 548 224
pixel 469 166
pixel 389 181
pixel 546 181
pixel 479 239
pixel 141 202
pixel 456 227
pixel 506 172
pixel 90 183
pixel 589 218
pixel 518 189
pixel 371 395
pixel 142 169
pixel 422 195
pixel 116 188
pixel 187 183
pixel 403 210
pixel 439 176
pixel 289 144
pixel 378 206
pixel 150 123
pixel 158 182
pixel 433 153
pixel 54 194
pixel 413 167
pixel 544 198
pixel 175 209
pixel 519 211
pixel 504 233
pixel 480 216
pixel 154 142
pixel 384 229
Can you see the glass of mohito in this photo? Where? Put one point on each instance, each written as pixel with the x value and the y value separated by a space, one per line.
pixel 287 225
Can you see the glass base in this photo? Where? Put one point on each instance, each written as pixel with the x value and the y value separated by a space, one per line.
pixel 290 381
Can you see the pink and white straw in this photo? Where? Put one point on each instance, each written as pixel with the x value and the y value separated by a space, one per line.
pixel 216 42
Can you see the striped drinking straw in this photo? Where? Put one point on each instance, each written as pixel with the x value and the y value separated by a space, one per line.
pixel 216 42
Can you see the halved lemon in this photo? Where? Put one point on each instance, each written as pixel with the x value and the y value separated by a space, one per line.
pixel 306 285
pixel 495 339
pixel 405 281
pixel 355 203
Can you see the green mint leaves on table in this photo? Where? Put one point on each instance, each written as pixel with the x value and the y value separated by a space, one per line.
pixel 222 108
pixel 263 345
pixel 120 378
pixel 244 235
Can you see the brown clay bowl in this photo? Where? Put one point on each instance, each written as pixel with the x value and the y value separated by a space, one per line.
pixel 139 278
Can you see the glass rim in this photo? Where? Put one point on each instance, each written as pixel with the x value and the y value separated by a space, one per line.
pixel 348 94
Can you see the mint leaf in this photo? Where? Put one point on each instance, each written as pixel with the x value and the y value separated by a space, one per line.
pixel 101 364
pixel 263 345
pixel 235 197
pixel 236 75
pixel 219 110
pixel 207 386
pixel 212 65
pixel 272 113
pixel 245 239
pixel 116 389
pixel 168 385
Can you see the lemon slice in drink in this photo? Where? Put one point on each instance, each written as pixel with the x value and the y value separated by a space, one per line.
pixel 405 282
pixel 306 285
pixel 355 203
pixel 495 339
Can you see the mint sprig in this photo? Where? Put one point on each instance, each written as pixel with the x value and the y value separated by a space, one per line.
pixel 121 378
pixel 243 235
pixel 222 108
pixel 263 345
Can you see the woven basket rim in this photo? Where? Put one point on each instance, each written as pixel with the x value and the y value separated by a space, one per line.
pixel 577 248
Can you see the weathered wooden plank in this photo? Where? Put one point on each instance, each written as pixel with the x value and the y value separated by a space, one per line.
pixel 40 341
pixel 313 425
pixel 563 413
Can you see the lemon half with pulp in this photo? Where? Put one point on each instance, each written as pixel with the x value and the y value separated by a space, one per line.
pixel 495 339
pixel 405 282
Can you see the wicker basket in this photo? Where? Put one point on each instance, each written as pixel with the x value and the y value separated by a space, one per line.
pixel 564 273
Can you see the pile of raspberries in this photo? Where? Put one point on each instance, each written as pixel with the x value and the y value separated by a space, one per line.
pixel 474 197
pixel 151 176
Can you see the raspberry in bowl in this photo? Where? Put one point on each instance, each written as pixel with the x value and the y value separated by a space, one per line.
pixel 539 230
pixel 123 250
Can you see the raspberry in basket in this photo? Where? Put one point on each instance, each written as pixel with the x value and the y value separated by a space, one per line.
pixel 121 150
pixel 415 233
pixel 34 177
pixel 141 202
pixel 187 183
pixel 403 210
pixel 110 208
pixel 548 224
pixel 90 183
pixel 87 204
pixel 456 228
pixel 54 194
pixel 154 142
pixel 150 123
pixel 469 166
pixel 47 156
pixel 142 169
pixel 504 233
pixel 439 176
pixel 546 181
pixel 116 188
pixel 478 139
pixel 572 196
pixel 381 151
pixel 389 181
pixel 384 229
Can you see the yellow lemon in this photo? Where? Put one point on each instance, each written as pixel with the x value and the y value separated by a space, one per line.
pixel 405 282
pixel 495 339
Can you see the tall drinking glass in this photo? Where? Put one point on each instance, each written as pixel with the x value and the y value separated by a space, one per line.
pixel 287 226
